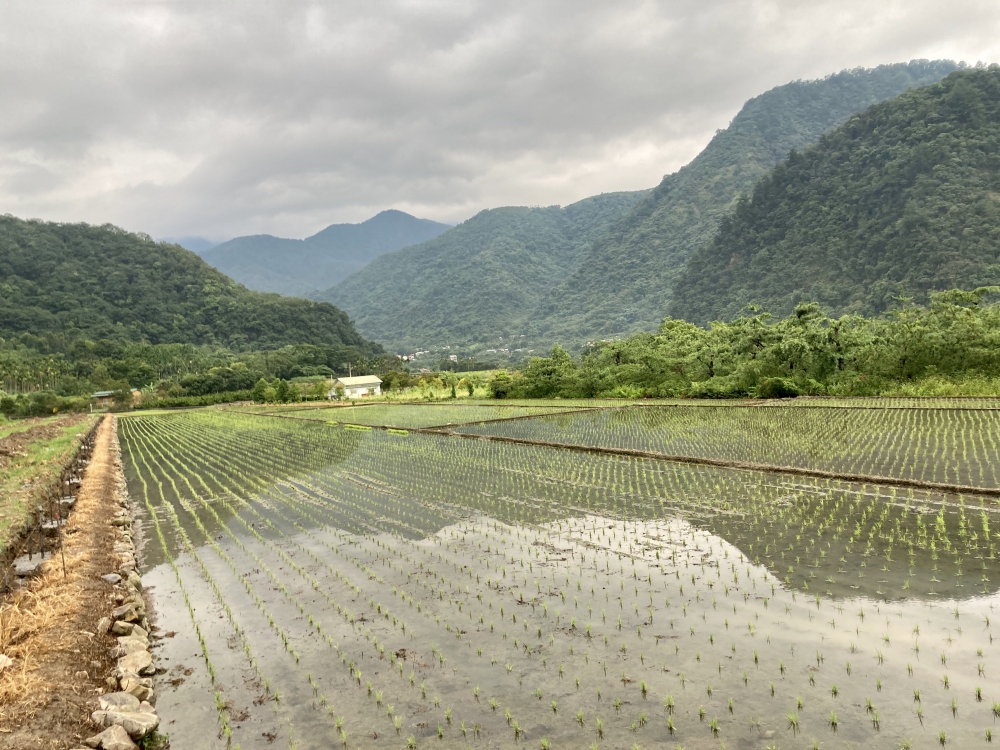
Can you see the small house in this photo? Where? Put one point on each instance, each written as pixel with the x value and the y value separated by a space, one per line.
pixel 357 387
pixel 106 399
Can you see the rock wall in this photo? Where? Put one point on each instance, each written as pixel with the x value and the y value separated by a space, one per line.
pixel 127 715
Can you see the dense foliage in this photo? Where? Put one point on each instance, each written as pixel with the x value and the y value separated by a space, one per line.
pixel 86 282
pixel 954 338
pixel 40 403
pixel 479 283
pixel 625 282
pixel 899 201
pixel 297 267
pixel 43 365
pixel 88 308
pixel 548 276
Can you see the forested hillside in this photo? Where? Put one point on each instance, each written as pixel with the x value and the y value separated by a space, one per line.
pixel 76 281
pixel 900 201
pixel 479 283
pixel 297 267
pixel 625 281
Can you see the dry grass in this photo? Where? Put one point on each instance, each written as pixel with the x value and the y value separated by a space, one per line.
pixel 46 628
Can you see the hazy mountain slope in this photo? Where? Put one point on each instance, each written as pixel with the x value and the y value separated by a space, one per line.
pixel 274 264
pixel 104 282
pixel 902 200
pixel 625 281
pixel 478 281
pixel 195 244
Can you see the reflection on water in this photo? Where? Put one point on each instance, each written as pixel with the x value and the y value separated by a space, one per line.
pixel 956 446
pixel 509 594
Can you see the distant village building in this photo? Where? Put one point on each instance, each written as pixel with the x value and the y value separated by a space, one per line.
pixel 358 387
pixel 105 399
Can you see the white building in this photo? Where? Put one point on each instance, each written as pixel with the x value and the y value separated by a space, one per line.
pixel 359 387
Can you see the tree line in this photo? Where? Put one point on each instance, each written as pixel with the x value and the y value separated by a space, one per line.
pixel 951 346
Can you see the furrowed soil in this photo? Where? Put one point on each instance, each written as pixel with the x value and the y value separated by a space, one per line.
pixel 47 628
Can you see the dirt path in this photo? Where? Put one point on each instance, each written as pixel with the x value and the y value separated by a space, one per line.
pixel 59 667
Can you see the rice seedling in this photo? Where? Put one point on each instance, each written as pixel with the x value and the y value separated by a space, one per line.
pixel 367 546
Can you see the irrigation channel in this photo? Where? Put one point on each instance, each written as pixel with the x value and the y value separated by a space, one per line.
pixel 320 584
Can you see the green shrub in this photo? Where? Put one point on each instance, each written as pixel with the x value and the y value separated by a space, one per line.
pixel 41 403
pixel 501 385
pixel 207 400
pixel 777 388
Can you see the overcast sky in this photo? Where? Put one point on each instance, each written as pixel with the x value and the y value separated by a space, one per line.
pixel 228 118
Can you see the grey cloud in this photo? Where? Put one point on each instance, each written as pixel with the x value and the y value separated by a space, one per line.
pixel 230 118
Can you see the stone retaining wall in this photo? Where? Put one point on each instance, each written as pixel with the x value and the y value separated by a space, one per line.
pixel 127 714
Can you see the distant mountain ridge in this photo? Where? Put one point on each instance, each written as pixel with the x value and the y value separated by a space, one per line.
pixel 625 282
pixel 529 272
pixel 298 267
pixel 195 244
pixel 479 283
pixel 901 201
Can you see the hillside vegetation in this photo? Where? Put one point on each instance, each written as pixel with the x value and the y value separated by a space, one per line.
pixel 84 308
pixel 625 281
pixel 479 283
pixel 951 346
pixel 82 281
pixel 297 267
pixel 900 201
pixel 532 273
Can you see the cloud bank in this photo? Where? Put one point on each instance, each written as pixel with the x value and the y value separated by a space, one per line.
pixel 222 118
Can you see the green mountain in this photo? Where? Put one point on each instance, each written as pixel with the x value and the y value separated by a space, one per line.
pixel 76 281
pixel 479 283
pixel 625 281
pixel 297 267
pixel 901 200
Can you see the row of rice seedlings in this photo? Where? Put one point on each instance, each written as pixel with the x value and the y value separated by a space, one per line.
pixel 221 706
pixel 934 445
pixel 751 542
pixel 224 500
pixel 494 511
pixel 985 537
pixel 280 631
pixel 176 457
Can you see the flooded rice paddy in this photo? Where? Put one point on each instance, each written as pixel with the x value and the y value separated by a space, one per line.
pixel 420 415
pixel 319 587
pixel 947 445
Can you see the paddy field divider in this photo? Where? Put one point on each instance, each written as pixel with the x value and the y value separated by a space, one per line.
pixel 944 487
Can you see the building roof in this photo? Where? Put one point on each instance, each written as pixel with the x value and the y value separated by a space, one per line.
pixel 105 394
pixel 360 380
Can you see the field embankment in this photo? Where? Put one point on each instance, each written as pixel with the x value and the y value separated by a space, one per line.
pixel 58 663
pixel 33 454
